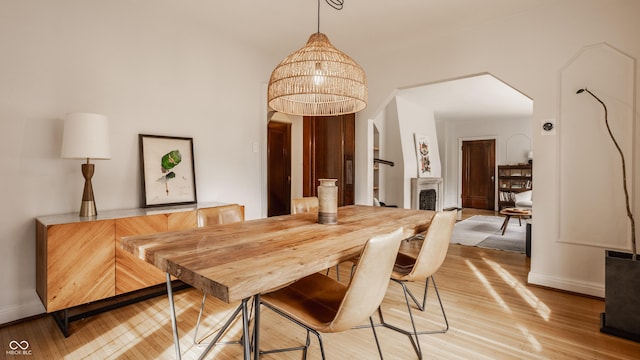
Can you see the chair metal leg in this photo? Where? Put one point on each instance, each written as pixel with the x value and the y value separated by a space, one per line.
pixel 242 307
pixel 337 272
pixel 422 306
pixel 174 325
pixel 413 335
pixel 375 335
pixel 195 334
pixel 222 329
pixel 373 328
pixel 319 342
pixel 303 348
pixel 444 315
pixel 415 341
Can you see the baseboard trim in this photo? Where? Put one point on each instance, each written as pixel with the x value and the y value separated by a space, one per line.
pixel 10 314
pixel 591 289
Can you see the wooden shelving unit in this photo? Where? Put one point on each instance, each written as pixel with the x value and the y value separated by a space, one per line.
pixel 513 179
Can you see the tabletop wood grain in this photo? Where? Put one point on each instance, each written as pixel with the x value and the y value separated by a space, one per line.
pixel 236 261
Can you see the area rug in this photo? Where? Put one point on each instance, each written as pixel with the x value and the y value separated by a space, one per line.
pixel 484 231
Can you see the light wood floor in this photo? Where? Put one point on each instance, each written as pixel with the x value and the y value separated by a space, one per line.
pixel 467 213
pixel 492 312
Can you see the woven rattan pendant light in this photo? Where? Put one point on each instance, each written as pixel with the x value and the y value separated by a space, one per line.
pixel 318 80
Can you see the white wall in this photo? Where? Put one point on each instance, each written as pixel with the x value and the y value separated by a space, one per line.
pixel 150 70
pixel 527 51
pixel 587 181
pixel 511 136
pixel 393 195
pixel 364 190
pixel 412 118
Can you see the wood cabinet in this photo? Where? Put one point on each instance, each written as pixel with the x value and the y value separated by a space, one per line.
pixel 512 179
pixel 75 263
pixel 79 260
pixel 130 274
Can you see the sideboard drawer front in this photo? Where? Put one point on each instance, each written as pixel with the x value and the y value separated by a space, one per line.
pixel 80 263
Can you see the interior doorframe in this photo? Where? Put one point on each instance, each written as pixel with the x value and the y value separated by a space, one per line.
pixel 289 126
pixel 495 170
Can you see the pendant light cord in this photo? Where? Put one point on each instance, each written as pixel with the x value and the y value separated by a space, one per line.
pixel 336 4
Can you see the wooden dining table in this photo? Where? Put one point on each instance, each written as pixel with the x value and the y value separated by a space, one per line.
pixel 238 261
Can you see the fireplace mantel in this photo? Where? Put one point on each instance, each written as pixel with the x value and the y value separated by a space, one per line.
pixel 427 183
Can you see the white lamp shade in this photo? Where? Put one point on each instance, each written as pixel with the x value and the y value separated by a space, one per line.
pixel 86 136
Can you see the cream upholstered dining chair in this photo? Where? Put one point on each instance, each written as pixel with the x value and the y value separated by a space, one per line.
pixel 304 204
pixel 319 303
pixel 212 216
pixel 225 214
pixel 422 268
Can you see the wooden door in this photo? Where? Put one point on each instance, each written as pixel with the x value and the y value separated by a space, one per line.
pixel 478 174
pixel 328 153
pixel 279 168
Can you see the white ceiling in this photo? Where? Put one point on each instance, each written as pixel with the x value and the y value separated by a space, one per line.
pixel 283 26
pixel 479 97
pixel 280 27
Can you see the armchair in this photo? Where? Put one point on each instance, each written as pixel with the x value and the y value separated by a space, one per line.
pixel 524 199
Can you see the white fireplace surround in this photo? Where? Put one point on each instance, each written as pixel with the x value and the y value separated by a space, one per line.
pixel 427 183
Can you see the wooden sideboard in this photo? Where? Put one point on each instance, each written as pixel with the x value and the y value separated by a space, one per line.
pixel 79 260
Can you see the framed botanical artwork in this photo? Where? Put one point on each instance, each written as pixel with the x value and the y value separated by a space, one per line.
pixel 168 174
pixel 422 154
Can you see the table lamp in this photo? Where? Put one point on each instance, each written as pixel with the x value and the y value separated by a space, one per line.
pixel 86 136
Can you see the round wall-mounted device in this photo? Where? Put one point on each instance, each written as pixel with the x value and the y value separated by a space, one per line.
pixel 548 126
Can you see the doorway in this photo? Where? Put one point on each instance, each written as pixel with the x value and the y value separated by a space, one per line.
pixel 329 153
pixel 278 168
pixel 478 174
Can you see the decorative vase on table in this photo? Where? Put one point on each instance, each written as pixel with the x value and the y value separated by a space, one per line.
pixel 327 201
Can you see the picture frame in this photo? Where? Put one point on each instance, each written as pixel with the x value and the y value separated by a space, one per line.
pixel 167 169
pixel 423 151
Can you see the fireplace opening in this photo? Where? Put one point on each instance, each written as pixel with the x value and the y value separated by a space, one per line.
pixel 426 193
pixel 428 199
